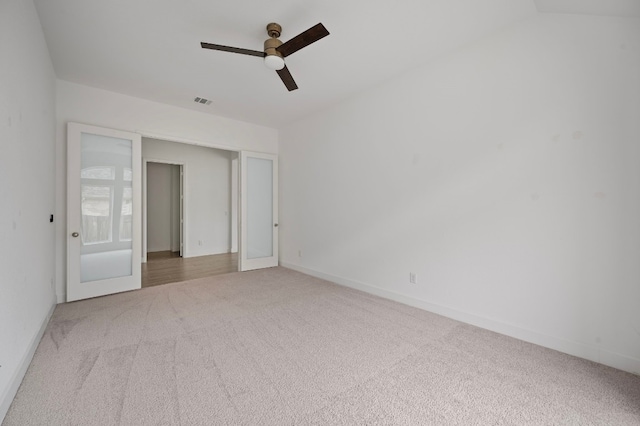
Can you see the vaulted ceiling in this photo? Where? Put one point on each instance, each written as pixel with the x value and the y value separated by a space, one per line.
pixel 151 48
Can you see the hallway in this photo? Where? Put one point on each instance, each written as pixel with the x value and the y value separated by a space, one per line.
pixel 166 267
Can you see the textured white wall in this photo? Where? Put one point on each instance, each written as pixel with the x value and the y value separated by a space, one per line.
pixel 505 175
pixel 207 192
pixel 107 109
pixel 27 191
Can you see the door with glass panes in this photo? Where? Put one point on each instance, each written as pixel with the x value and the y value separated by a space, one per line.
pixel 103 211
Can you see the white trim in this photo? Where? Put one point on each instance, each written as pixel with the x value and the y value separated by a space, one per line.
pixel 18 375
pixel 581 350
pixel 144 211
pixel 183 202
pixel 152 135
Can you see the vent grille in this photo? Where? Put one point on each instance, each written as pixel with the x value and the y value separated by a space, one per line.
pixel 202 101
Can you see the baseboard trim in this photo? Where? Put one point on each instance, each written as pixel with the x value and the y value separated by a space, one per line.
pixel 16 379
pixel 581 350
pixel 218 250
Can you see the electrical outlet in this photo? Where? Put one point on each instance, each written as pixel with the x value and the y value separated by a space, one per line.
pixel 413 278
pixel 299 253
pixel 199 242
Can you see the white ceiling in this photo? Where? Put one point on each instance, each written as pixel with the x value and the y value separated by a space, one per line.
pixel 151 48
pixel 627 8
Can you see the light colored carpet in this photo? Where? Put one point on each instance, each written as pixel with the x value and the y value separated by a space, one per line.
pixel 279 347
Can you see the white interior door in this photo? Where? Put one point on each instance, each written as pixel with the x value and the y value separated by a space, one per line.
pixel 103 211
pixel 181 210
pixel 258 211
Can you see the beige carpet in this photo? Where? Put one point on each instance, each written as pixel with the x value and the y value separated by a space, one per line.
pixel 276 347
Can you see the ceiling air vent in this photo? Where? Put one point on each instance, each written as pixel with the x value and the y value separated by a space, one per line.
pixel 202 101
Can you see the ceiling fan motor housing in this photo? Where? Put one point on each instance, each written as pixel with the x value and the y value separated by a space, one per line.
pixel 273 59
pixel 270 46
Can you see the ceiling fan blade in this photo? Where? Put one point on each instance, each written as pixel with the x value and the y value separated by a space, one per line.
pixel 232 49
pixel 287 79
pixel 303 39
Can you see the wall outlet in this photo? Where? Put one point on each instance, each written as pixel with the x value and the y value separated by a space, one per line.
pixel 299 253
pixel 413 278
pixel 199 242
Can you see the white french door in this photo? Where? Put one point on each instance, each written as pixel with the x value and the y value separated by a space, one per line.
pixel 258 211
pixel 103 211
pixel 181 203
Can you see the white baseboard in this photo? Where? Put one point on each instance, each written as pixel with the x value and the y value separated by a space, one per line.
pixel 18 375
pixel 209 252
pixel 581 350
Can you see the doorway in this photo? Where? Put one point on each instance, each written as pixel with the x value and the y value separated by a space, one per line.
pixel 229 228
pixel 166 268
pixel 164 195
pixel 198 186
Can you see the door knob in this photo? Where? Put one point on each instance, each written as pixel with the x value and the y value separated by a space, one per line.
pixel 275 224
pixel 75 235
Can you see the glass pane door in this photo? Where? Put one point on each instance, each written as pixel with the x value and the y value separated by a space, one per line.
pixel 259 201
pixel 103 197
pixel 105 181
pixel 259 208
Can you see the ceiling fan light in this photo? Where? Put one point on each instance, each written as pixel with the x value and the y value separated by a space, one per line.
pixel 274 62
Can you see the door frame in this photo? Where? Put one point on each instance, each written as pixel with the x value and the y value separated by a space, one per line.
pixel 183 204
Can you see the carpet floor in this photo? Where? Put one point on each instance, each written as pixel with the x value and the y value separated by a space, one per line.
pixel 276 347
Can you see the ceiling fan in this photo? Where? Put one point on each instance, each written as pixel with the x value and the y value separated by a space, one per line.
pixel 275 51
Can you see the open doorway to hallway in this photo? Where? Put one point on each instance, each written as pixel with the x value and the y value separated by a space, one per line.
pixel 164 194
pixel 190 221
pixel 167 267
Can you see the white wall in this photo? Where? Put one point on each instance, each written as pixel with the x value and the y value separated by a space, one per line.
pixel 159 207
pixel 505 175
pixel 101 108
pixel 27 172
pixel 207 194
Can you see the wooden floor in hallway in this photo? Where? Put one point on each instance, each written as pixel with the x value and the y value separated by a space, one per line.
pixel 166 267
